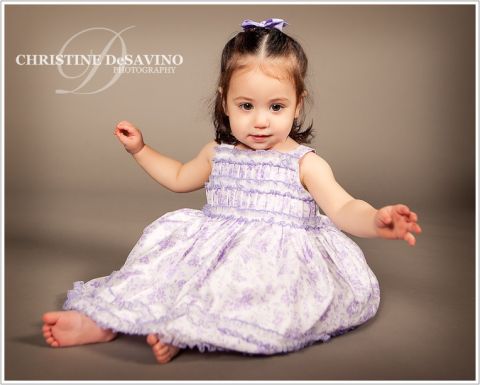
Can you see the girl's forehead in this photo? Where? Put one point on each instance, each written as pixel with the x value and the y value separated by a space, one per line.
pixel 256 77
pixel 249 82
pixel 278 68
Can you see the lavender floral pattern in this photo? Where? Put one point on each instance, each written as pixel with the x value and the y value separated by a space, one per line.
pixel 258 270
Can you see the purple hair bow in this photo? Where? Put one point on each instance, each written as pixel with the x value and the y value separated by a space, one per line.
pixel 269 23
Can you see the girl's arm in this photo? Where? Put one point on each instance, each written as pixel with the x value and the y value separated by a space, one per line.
pixel 174 175
pixel 352 215
pixel 349 214
pixel 170 173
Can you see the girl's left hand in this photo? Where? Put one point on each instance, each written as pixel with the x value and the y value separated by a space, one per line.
pixel 397 222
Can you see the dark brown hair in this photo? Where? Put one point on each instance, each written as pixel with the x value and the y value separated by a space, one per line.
pixel 264 43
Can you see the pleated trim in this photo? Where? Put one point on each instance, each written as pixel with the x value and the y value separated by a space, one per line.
pixel 258 173
pixel 255 158
pixel 276 203
pixel 317 222
pixel 271 187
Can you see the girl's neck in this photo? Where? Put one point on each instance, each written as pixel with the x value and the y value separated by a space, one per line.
pixel 289 145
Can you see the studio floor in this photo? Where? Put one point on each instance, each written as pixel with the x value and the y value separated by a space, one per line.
pixel 423 330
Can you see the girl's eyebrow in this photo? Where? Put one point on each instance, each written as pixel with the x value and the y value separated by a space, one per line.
pixel 271 100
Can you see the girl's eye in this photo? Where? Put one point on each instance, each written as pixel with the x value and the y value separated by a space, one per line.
pixel 249 106
pixel 246 106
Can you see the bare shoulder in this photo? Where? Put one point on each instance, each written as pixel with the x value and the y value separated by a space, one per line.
pixel 207 152
pixel 313 165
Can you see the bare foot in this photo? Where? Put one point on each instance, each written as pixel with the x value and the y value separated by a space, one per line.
pixel 163 352
pixel 69 328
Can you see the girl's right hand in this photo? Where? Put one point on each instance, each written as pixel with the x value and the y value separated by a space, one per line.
pixel 130 136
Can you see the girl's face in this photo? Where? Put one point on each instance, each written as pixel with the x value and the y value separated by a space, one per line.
pixel 261 108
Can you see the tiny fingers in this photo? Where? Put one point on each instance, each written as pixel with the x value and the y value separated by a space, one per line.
pixel 413 216
pixel 403 209
pixel 413 227
pixel 410 239
pixel 418 229
pixel 123 123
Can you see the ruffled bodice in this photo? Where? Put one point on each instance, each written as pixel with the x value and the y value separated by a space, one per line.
pixel 261 185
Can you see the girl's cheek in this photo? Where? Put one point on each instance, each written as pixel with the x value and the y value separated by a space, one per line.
pixel 240 119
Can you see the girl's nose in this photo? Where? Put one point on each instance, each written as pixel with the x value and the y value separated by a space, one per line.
pixel 261 120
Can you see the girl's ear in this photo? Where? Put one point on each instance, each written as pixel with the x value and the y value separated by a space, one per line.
pixel 220 90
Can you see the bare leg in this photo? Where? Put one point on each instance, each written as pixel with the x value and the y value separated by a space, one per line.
pixel 163 352
pixel 69 328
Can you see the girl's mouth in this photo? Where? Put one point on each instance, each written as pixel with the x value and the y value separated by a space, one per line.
pixel 259 138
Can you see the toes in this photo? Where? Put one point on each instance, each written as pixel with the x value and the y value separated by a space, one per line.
pixel 152 339
pixel 47 332
pixel 162 354
pixel 51 318
pixel 160 349
pixel 52 342
pixel 163 359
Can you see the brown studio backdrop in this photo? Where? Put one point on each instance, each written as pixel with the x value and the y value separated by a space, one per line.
pixel 392 85
pixel 394 115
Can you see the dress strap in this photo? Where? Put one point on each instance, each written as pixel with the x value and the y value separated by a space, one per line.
pixel 301 151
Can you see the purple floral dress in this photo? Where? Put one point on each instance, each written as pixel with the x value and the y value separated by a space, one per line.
pixel 258 270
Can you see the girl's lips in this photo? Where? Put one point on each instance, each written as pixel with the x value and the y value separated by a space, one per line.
pixel 259 138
